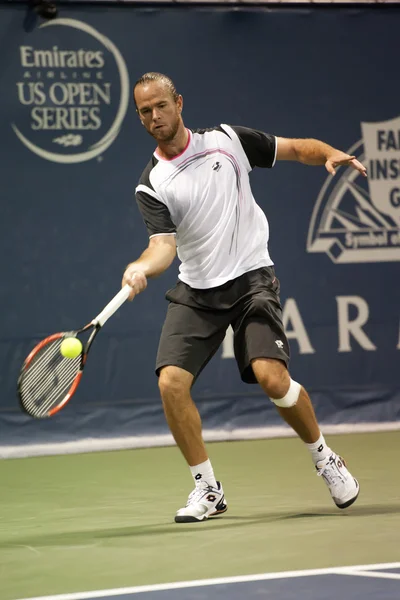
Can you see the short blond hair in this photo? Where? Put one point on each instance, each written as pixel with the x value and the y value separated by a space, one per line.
pixel 160 77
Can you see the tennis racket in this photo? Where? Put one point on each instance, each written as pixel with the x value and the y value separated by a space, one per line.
pixel 48 380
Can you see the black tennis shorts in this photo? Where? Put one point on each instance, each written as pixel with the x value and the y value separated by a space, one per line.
pixel 197 321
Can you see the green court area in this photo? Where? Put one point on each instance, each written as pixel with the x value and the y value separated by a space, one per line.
pixel 105 520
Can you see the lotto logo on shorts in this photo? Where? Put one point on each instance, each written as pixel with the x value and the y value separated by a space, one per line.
pixel 279 343
pixel 72 91
pixel 357 219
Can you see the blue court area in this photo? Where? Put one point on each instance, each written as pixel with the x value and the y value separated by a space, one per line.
pixel 349 583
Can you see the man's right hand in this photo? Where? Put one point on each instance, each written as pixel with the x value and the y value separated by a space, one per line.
pixel 136 279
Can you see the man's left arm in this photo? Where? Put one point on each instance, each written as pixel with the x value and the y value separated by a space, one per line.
pixel 315 152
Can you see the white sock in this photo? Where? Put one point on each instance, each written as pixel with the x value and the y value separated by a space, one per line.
pixel 319 450
pixel 203 472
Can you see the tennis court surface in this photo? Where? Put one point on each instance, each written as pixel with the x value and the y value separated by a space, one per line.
pixel 325 584
pixel 101 525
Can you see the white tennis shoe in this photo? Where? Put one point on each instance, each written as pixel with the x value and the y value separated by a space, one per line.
pixel 203 502
pixel 342 485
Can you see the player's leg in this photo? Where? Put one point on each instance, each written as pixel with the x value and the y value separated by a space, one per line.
pixel 182 415
pixel 262 353
pixel 188 341
pixel 275 380
pixel 294 406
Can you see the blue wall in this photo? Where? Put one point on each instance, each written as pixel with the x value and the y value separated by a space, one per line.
pixel 69 224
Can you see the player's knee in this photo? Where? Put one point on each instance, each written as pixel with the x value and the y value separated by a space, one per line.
pixel 290 397
pixel 276 382
pixel 172 384
pixel 272 375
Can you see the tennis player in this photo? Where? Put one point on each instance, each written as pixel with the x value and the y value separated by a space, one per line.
pixel 196 201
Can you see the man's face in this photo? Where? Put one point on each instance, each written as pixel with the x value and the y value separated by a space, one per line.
pixel 158 111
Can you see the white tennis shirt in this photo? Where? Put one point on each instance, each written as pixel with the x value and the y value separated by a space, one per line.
pixel 203 196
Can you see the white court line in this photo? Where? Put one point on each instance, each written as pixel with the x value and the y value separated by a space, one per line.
pixel 372 574
pixel 218 581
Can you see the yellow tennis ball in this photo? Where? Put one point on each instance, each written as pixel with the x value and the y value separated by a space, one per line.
pixel 71 347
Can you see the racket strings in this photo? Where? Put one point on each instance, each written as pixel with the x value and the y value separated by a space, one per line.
pixel 42 359
pixel 52 385
pixel 38 400
pixel 52 398
pixel 47 379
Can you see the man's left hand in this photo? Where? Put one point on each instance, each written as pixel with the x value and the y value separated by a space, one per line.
pixel 341 158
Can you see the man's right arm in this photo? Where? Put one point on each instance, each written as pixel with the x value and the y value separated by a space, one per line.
pixel 156 259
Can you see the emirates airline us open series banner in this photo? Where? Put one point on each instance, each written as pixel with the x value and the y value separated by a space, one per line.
pixel 72 150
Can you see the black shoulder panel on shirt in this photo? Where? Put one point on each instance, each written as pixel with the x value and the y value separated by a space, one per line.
pixel 155 214
pixel 145 176
pixel 258 146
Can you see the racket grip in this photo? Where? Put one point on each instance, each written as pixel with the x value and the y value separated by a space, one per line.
pixel 113 306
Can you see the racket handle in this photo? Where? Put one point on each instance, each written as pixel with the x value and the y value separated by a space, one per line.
pixel 113 306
